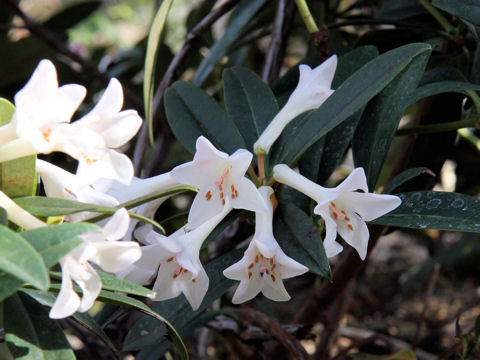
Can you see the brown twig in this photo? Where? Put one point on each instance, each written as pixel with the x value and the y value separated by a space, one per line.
pixel 348 268
pixel 172 73
pixel 276 49
pixel 291 344
pixel 39 31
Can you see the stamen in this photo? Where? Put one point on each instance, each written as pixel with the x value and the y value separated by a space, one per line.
pixel 350 226
pixel 262 267
pixel 249 274
pixel 250 266
pixel 271 261
pixel 193 280
pixel 347 218
pixel 273 267
pixel 256 259
pixel 273 277
pixel 208 195
pixel 333 204
pixel 170 259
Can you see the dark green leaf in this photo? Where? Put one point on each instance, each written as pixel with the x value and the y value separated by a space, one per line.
pixel 350 97
pixel 439 88
pixel 249 101
pixel 477 327
pixel 71 16
pixel 299 238
pixel 465 9
pixel 48 206
pixel 178 310
pixel 380 119
pixel 112 283
pixel 435 210
pixel 48 299
pixel 55 241
pixel 8 285
pixel 20 259
pixel 3 217
pixel 191 112
pixel 399 10
pixel 153 43
pixel 240 19
pixel 31 334
pixel 403 177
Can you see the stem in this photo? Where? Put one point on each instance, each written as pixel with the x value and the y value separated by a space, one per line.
pixel 254 177
pixel 261 168
pixel 435 128
pixel 469 136
pixel 306 16
pixel 438 16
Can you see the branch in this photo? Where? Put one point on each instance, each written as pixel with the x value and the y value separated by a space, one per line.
pixel 46 36
pixel 284 338
pixel 172 72
pixel 276 49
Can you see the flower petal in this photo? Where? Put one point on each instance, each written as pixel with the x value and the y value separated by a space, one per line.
pixel 117 226
pixel 274 290
pixel 114 256
pixel 288 267
pixel 357 180
pixel 67 301
pixel 370 206
pixel 203 209
pixel 90 286
pixel 357 235
pixel 241 160
pixel 165 286
pixel 248 197
pixel 195 289
pixel 248 289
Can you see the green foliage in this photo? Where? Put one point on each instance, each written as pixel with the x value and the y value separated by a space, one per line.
pixel 466 9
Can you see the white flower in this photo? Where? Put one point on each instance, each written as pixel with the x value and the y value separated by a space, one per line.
pixel 343 208
pixel 314 87
pixel 264 264
pixel 220 181
pixel 42 108
pixel 177 259
pixel 91 139
pixel 101 248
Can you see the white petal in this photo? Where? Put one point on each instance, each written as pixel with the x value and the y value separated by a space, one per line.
pixel 67 301
pixel 274 290
pixel 370 206
pixel 248 197
pixel 288 267
pixel 114 256
pixel 165 286
pixel 357 180
pixel 136 274
pixel 248 289
pixel 167 244
pixel 199 174
pixel 332 247
pixel 111 101
pixel 202 209
pixel 325 72
pixel 117 226
pixel 90 287
pixel 358 237
pixel 206 151
pixel 241 160
pixel 195 291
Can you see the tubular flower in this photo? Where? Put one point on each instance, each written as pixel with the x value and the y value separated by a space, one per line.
pixel 220 180
pixel 264 264
pixel 101 248
pixel 343 209
pixel 177 259
pixel 314 87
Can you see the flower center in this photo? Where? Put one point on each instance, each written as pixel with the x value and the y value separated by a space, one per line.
pixel 46 132
pixel 178 270
pixel 219 186
pixel 265 266
pixel 339 214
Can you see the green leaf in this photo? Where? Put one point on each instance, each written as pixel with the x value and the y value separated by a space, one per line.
pixel 153 42
pixel 405 176
pixel 112 283
pixel 3 217
pixel 55 241
pixel 20 259
pixel 17 177
pixel 240 19
pixel 359 88
pixel 48 299
pixel 439 88
pixel 249 101
pixel 298 237
pixel 337 140
pixel 191 112
pixel 29 332
pixel 49 206
pixel 8 285
pixel 435 210
pixel 465 9
pixel 178 311
pixel 399 10
pixel 380 119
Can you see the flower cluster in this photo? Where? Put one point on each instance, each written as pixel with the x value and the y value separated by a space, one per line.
pixel 42 124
